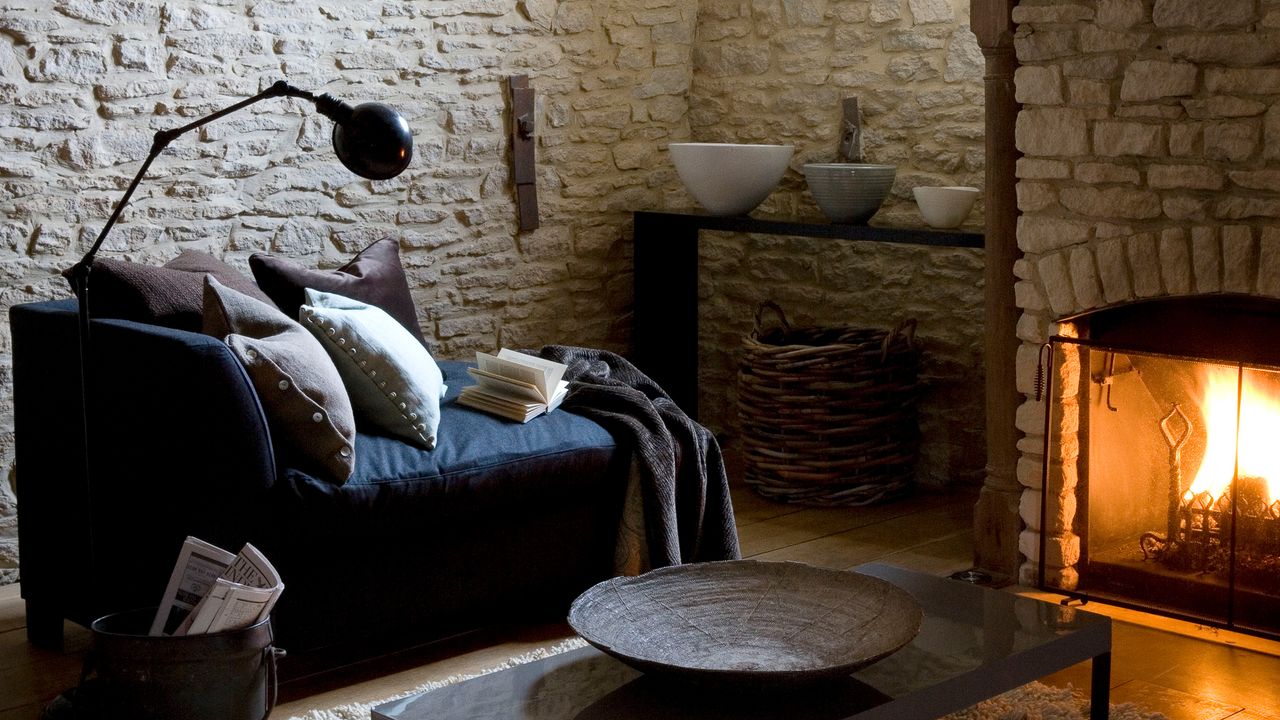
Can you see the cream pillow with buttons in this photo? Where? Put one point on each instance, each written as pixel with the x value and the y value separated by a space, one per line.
pixel 394 384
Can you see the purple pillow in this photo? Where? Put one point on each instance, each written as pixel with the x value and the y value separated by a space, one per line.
pixel 375 276
pixel 312 424
pixel 171 295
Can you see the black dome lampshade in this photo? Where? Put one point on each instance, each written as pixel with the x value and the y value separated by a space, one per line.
pixel 371 139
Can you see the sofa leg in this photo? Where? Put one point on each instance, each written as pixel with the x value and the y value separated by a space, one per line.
pixel 44 625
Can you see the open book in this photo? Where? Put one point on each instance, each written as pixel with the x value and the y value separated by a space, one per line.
pixel 211 590
pixel 514 385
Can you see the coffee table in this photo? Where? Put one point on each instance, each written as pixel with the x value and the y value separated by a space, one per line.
pixel 975 643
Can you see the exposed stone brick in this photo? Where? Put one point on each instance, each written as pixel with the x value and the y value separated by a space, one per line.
pixel 1111 202
pixel 1220 106
pixel 1055 131
pixel 1038 234
pixel 1203 16
pixel 1272 133
pixel 1058 13
pixel 1113 271
pixel 1238 259
pixel 1084 278
pixel 1117 138
pixel 1250 81
pixel 1094 39
pixel 924 12
pixel 1154 79
pixel 1206 259
pixel 1056 279
pixel 1121 13
pixel 1222 48
pixel 1097 172
pixel 1038 85
pixel 1144 261
pixel 1037 169
pixel 1083 91
pixel 1175 261
pixel 1196 177
pixel 1269 262
pixel 1041 45
pixel 1240 208
pixel 1232 141
pixel 1186 207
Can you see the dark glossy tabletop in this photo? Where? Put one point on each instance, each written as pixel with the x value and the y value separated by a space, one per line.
pixel 974 643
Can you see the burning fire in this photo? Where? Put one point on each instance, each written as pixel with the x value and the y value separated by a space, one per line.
pixel 1259 456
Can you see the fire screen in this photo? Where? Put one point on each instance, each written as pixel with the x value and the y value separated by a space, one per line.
pixel 1177 493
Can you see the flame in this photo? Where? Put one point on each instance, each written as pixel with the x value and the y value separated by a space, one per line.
pixel 1259 425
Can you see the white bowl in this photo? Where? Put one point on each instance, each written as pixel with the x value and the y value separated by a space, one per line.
pixel 945 207
pixel 849 192
pixel 730 179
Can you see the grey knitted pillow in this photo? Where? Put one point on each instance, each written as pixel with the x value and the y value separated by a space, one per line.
pixel 307 407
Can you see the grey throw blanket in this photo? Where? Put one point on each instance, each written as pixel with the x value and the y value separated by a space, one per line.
pixel 678 507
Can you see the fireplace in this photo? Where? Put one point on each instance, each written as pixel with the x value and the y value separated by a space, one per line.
pixel 1165 425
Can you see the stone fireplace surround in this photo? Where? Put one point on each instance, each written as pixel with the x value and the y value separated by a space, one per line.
pixel 1070 282
pixel 1149 134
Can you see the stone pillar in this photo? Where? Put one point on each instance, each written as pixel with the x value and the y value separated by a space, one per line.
pixel 996 519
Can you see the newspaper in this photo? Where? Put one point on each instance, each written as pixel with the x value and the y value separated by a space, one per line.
pixel 199 565
pixel 244 592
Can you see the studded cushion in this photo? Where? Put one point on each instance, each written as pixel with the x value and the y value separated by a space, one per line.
pixel 394 384
pixel 307 408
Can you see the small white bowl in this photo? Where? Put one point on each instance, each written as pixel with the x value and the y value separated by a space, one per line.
pixel 945 207
pixel 729 178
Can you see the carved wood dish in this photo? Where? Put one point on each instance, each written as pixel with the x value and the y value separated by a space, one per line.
pixel 747 622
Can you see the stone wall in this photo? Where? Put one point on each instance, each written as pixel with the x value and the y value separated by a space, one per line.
pixel 776 72
pixel 85 84
pixel 1151 135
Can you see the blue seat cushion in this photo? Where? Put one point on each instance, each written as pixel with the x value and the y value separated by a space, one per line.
pixel 480 462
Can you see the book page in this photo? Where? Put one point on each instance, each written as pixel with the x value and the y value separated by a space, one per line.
pixel 506 387
pixel 552 371
pixel 514 371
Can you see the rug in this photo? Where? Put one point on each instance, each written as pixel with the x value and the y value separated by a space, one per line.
pixel 1033 701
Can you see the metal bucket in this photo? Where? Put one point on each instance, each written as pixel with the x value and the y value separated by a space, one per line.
pixel 220 676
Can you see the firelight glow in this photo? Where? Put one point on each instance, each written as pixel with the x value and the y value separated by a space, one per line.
pixel 1260 423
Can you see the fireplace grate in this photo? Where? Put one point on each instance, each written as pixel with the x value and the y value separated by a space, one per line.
pixel 1202 537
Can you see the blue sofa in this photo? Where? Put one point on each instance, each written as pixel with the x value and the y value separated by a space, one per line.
pixel 499 519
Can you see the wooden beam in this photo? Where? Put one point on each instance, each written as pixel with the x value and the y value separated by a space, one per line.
pixel 996 517
pixel 523 167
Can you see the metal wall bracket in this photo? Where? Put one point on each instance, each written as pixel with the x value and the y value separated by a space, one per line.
pixel 850 132
pixel 523 166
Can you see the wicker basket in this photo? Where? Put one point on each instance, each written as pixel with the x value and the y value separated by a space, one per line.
pixel 828 415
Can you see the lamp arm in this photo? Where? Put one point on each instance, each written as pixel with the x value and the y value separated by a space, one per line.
pixel 79 275
pixel 280 88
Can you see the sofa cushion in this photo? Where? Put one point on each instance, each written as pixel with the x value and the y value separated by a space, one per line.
pixel 307 408
pixel 374 276
pixel 481 463
pixel 394 383
pixel 171 295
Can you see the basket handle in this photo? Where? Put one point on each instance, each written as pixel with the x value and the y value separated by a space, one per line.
pixel 907 329
pixel 777 310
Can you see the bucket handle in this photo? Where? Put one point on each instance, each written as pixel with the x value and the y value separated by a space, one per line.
pixel 270 655
pixel 777 310
pixel 907 329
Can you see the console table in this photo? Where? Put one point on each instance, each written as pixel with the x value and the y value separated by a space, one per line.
pixel 665 324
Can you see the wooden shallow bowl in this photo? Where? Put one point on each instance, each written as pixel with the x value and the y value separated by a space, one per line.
pixel 747 622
